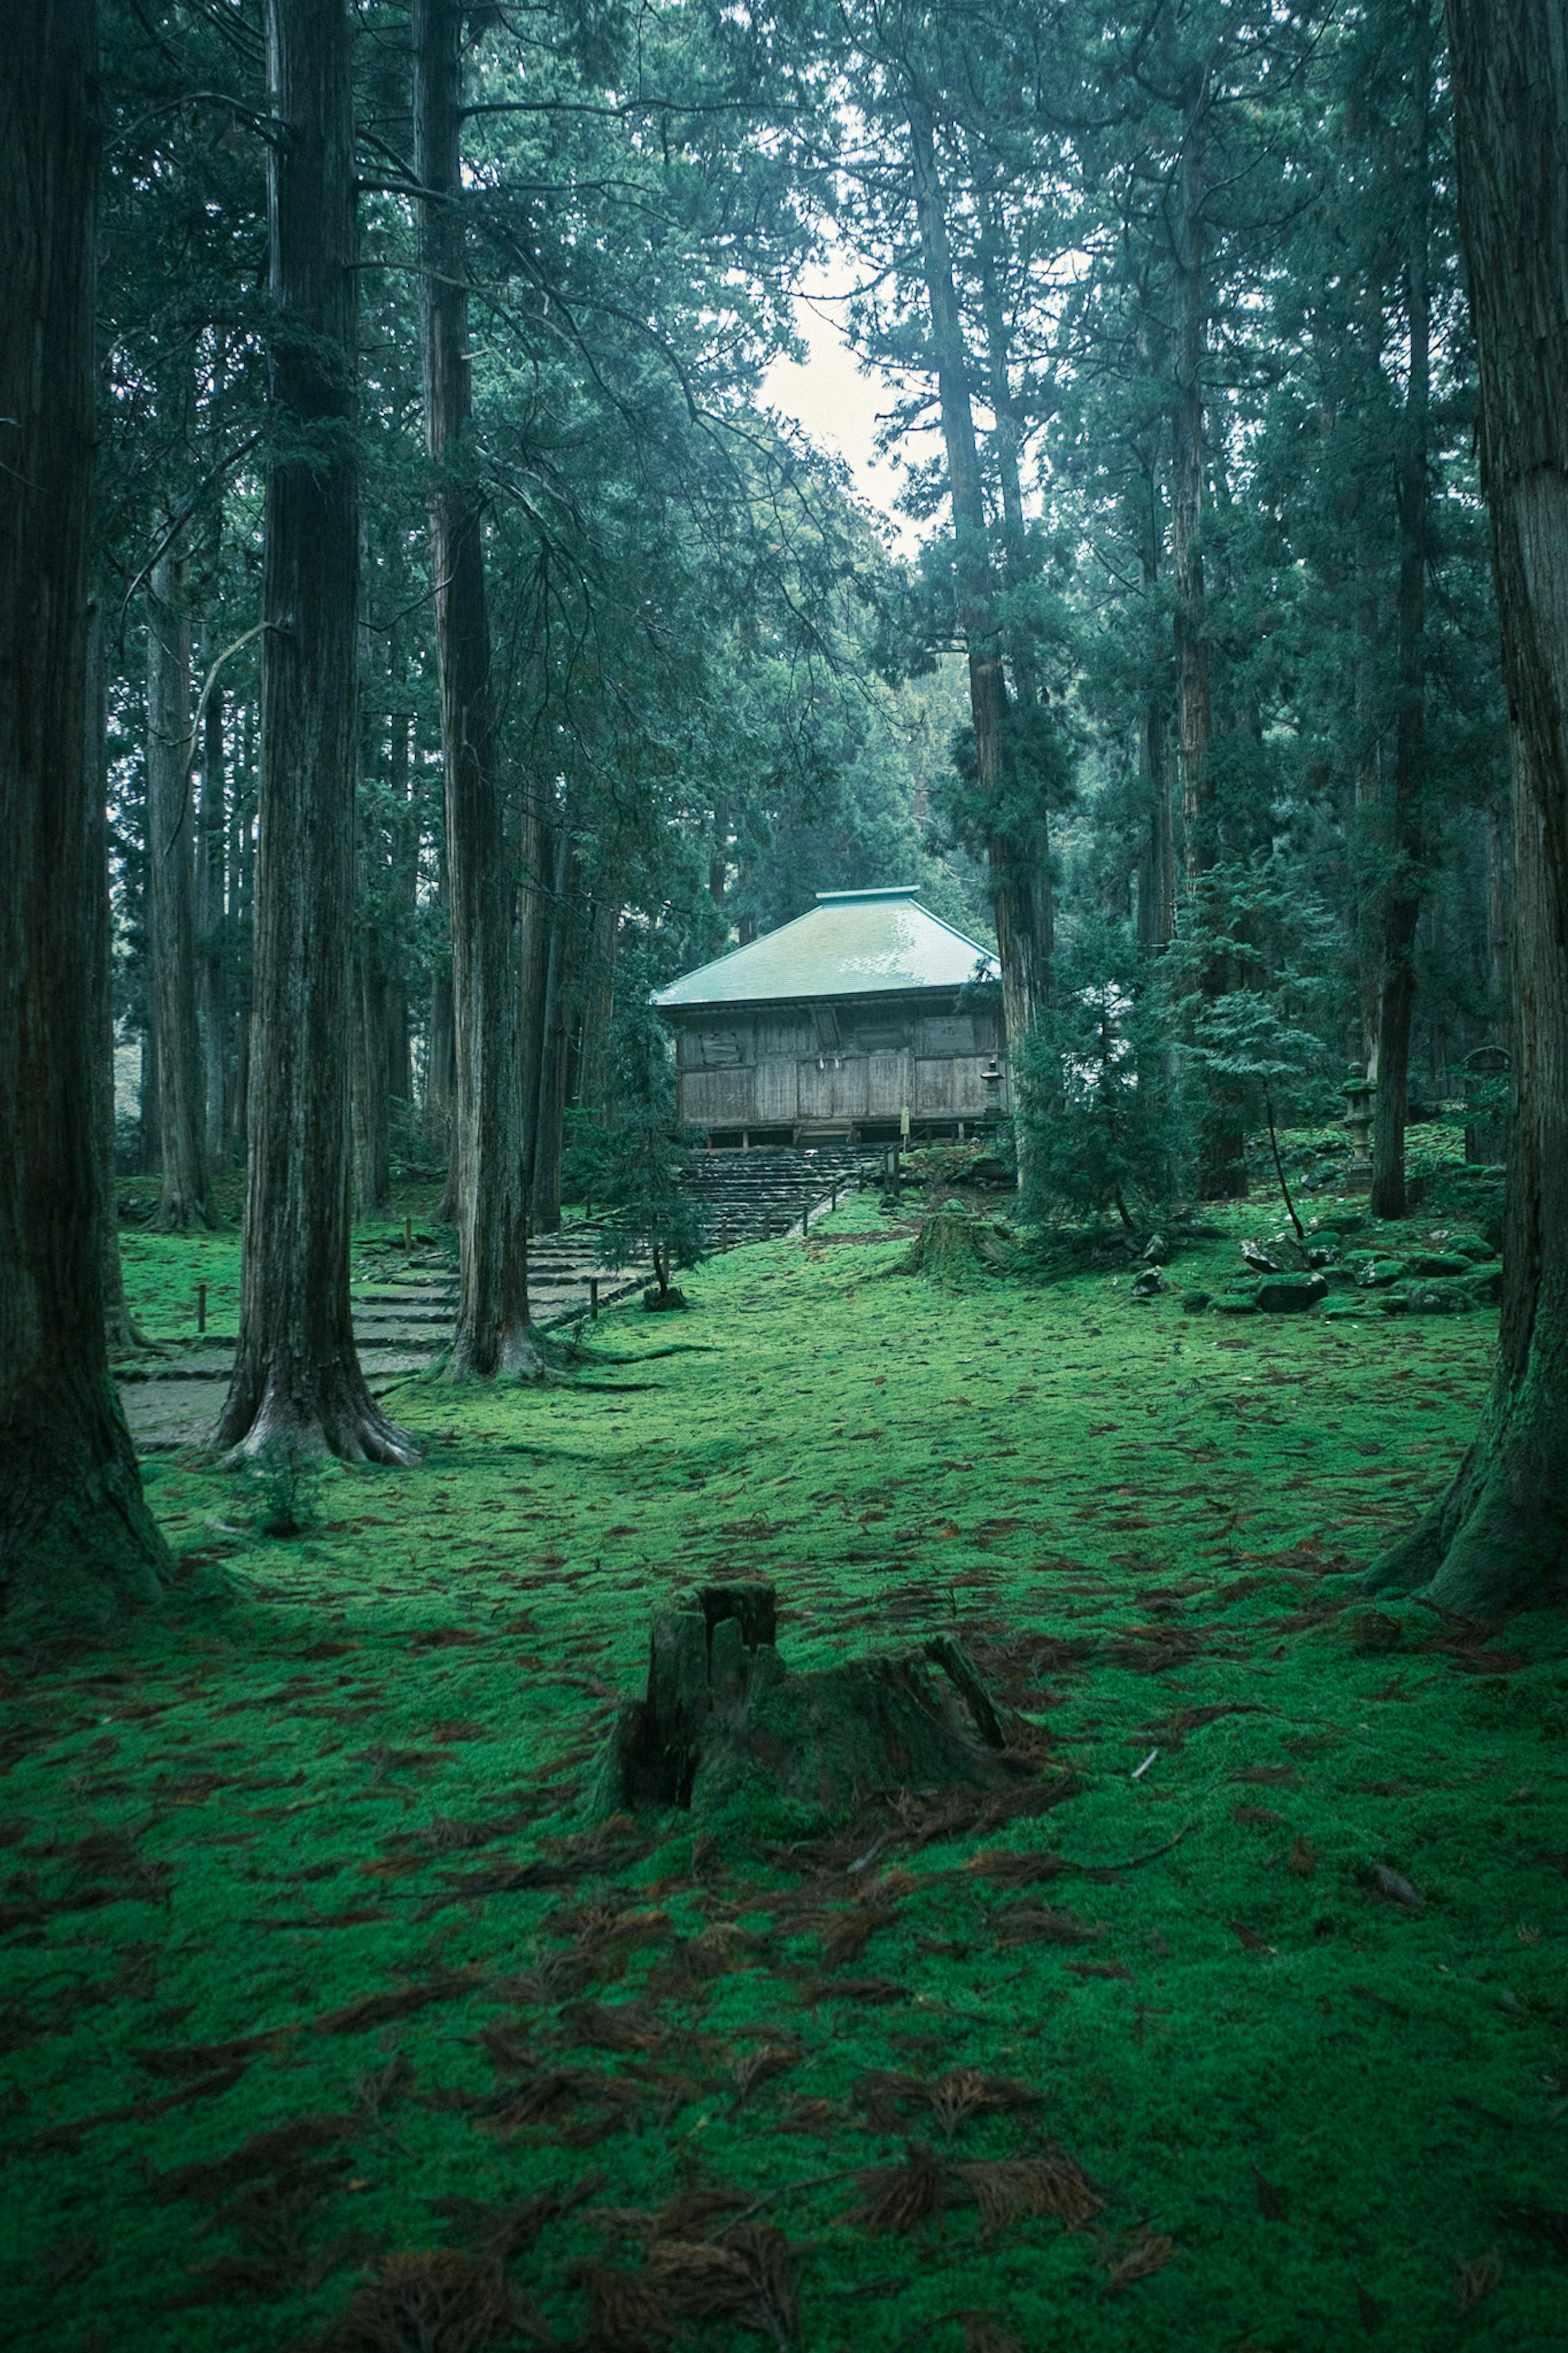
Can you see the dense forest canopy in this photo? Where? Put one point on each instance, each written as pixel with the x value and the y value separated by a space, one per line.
pixel 467 631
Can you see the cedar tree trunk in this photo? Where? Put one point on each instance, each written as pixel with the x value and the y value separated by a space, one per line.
pixel 297 1378
pixel 492 1334
pixel 212 977
pixel 1222 1147
pixel 1499 1537
pixel 1405 886
pixel 170 902
pixel 77 1541
pixel 1015 851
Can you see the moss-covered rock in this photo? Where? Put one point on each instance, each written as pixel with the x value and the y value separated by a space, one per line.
pixel 1378 1274
pixel 1287 1294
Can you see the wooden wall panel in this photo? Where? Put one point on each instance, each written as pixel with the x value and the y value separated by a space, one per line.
pixel 933 1088
pixel 850 1087
pixel 969 1096
pixel 777 1094
pixel 816 1089
pixel 889 1078
pixel 716 1098
pixel 947 1033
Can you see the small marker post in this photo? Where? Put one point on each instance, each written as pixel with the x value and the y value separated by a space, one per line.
pixel 593 1295
pixel 201 1307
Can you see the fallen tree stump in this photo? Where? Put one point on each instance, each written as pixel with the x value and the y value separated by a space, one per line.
pixel 725 1725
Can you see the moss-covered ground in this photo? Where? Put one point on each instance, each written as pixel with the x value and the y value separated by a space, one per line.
pixel 328 2017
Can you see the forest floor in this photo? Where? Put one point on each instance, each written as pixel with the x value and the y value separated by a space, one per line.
pixel 330 2018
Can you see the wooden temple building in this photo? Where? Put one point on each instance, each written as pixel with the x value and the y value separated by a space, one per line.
pixel 863 1022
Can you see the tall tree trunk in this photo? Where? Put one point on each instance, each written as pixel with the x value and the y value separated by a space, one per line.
pixel 1012 847
pixel 598 1007
pixel 297 1378
pixel 1157 857
pixel 492 1334
pixel 77 1541
pixel 405 888
pixel 1031 849
pixel 1194 711
pixel 212 972
pixel 1499 926
pixel 170 900
pixel 535 863
pixel 119 1329
pixel 242 915
pixel 372 1191
pixel 549 1117
pixel 1499 1537
pixel 1222 1138
pixel 1405 889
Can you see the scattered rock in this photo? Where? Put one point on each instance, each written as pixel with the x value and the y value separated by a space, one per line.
pixel 1255 1255
pixel 1194 1301
pixel 1372 1631
pixel 1436 1262
pixel 1149 1286
pixel 1429 1299
pixel 1377 1273
pixel 1235 1303
pixel 1158 1252
pixel 1290 1294
pixel 1483 1288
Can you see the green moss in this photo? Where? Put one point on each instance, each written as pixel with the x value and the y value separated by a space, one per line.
pixel 313 1860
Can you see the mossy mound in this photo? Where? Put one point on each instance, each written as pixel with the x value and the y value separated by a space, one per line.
pixel 726 1730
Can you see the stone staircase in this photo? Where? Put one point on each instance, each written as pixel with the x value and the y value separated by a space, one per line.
pixel 404 1299
pixel 750 1196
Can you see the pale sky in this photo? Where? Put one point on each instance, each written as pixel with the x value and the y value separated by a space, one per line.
pixel 838 406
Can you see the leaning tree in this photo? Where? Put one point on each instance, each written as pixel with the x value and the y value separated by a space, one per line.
pixel 297 1378
pixel 75 1537
pixel 1499 1535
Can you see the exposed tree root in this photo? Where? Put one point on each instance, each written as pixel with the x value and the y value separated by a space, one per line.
pixel 340 1418
pixel 484 1353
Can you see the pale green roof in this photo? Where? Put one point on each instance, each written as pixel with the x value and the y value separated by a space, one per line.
pixel 852 944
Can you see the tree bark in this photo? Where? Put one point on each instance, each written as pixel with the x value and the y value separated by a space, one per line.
pixel 598 1005
pixel 406 884
pixel 492 1334
pixel 297 1379
pixel 120 1332
pixel 535 855
pixel 550 1111
pixel 372 1187
pixel 1194 711
pixel 1499 1537
pixel 170 902
pixel 77 1541
pixel 1222 1140
pixel 212 975
pixel 1014 853
pixel 1405 884
pixel 1157 858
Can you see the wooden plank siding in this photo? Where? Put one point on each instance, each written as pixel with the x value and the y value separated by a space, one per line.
pixel 832 1064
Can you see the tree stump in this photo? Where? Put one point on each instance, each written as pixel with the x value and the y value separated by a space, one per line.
pixel 725 1727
